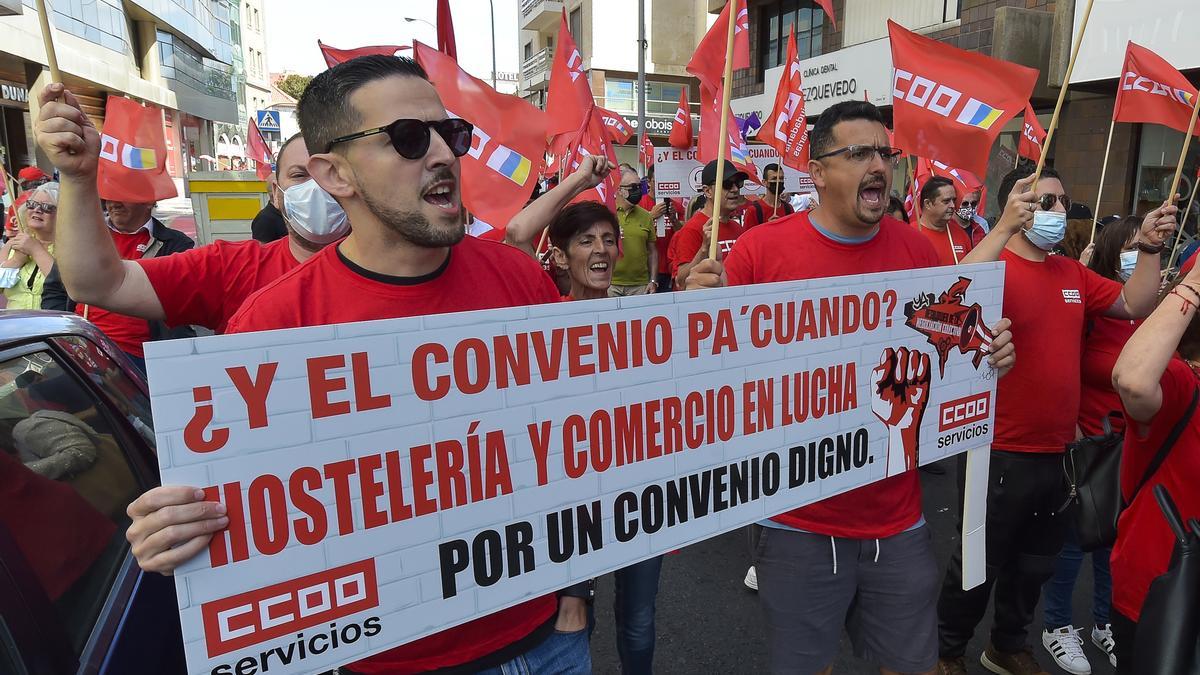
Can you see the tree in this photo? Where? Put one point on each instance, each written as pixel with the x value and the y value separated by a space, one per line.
pixel 294 84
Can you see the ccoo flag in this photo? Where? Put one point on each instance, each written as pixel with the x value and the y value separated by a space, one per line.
pixel 259 152
pixel 950 103
pixel 508 144
pixel 708 62
pixel 334 56
pixel 1032 136
pixel 569 97
pixel 786 129
pixel 133 151
pixel 681 126
pixel 593 139
pixel 1152 91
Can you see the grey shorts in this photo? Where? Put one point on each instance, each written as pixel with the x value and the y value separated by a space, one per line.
pixel 884 592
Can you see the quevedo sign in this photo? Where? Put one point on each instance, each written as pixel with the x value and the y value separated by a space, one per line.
pixel 387 480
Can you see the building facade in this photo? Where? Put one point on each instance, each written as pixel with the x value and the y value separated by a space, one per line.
pixel 853 62
pixel 606 34
pixel 175 55
pixel 252 81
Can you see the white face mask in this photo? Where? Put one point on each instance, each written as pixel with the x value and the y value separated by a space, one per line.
pixel 314 214
pixel 1049 228
pixel 1128 262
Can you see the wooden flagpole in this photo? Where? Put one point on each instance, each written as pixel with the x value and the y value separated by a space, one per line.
pixel 1103 170
pixel 1187 142
pixel 723 130
pixel 48 41
pixel 1062 95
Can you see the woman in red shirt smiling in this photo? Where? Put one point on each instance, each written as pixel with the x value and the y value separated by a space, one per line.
pixel 1156 377
pixel 585 238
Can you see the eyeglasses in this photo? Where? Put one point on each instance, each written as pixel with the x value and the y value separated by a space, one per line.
pixel 861 154
pixel 631 186
pixel 411 138
pixel 32 205
pixel 1047 201
pixel 968 205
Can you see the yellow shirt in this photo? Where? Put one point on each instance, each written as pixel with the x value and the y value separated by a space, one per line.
pixel 27 292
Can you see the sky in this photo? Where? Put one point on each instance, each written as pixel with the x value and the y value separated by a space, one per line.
pixel 293 27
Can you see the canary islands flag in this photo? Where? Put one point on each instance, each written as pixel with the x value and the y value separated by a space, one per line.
pixel 138 158
pixel 510 164
pixel 979 114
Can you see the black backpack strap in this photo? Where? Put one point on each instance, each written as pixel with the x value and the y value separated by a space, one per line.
pixel 758 210
pixel 1165 450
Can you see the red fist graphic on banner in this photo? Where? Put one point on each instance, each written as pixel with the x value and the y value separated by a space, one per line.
pixel 902 381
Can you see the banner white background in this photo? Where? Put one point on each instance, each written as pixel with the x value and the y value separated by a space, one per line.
pixel 361 398
pixel 677 172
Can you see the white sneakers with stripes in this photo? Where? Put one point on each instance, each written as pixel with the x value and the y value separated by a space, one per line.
pixel 1066 646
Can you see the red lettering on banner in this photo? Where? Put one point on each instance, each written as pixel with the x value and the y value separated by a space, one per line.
pixel 427 391
pixel 339 473
pixel 267 496
pixel 364 400
pixel 313 529
pixel 320 386
pixel 254 392
pixel 421 479
pixel 263 614
pixel 371 490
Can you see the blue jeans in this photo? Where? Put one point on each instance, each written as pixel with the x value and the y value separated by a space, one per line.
pixel 1056 594
pixel 635 588
pixel 559 654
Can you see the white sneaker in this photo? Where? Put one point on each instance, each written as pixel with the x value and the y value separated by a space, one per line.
pixel 1103 638
pixel 1065 645
pixel 751 579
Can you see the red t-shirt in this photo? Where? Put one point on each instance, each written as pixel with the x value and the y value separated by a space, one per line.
pixel 1106 337
pixel 205 286
pixel 755 204
pixel 126 331
pixel 690 237
pixel 477 275
pixel 941 243
pixel 885 507
pixel 1144 542
pixel 1037 402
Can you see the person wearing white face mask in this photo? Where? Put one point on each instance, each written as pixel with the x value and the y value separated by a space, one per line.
pixel 204 286
pixel 1050 299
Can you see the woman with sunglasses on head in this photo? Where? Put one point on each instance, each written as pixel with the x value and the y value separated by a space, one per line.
pixel 1113 256
pixel 29 255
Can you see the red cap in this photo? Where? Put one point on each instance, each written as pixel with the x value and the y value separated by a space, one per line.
pixel 32 173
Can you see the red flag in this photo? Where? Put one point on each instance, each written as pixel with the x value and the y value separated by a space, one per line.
pixel 570 96
pixel 445 30
pixel 786 129
pixel 592 139
pixel 334 56
pixel 964 181
pixel 708 63
pixel 259 152
pixel 681 127
pixel 950 103
pixel 1032 136
pixel 827 5
pixel 617 126
pixel 133 154
pixel 734 146
pixel 647 152
pixel 499 171
pixel 1152 91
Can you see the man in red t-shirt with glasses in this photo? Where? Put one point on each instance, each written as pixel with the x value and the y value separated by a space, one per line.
pixel 862 560
pixel 386 150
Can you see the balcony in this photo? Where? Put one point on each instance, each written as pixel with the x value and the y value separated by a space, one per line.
pixel 540 15
pixel 535 71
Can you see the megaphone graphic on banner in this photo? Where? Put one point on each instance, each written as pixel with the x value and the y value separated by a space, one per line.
pixel 975 336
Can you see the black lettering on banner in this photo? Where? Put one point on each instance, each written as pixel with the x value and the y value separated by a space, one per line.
pixel 827 457
pixel 301 647
pixel 564 528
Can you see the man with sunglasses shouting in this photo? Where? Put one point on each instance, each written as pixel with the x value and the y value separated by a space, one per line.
pixel 385 149
pixel 862 560
pixel 1049 299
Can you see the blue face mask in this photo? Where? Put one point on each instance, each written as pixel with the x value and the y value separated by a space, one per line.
pixel 1049 228
pixel 1128 262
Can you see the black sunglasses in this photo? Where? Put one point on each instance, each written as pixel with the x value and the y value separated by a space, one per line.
pixel 31 205
pixel 1047 201
pixel 411 138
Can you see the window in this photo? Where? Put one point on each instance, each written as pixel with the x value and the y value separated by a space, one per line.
pixel 257 21
pixel 67 479
pixel 777 19
pixel 575 24
pixel 618 96
pixel 528 50
pixel 662 98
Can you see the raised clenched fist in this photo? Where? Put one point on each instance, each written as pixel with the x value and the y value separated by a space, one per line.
pixel 901 394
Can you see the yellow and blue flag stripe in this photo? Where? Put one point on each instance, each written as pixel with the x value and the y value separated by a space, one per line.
pixel 976 113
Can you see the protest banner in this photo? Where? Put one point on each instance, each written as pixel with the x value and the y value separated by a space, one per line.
pixel 387 480
pixel 677 172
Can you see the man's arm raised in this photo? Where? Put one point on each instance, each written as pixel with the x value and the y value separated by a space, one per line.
pixel 1018 210
pixel 91 268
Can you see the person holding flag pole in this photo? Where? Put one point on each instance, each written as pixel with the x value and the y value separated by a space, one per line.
pixel 723 134
pixel 1174 196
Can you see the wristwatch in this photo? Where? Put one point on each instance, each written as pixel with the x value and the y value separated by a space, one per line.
pixel 1149 248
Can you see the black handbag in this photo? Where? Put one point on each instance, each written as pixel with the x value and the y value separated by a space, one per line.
pixel 1168 631
pixel 1093 468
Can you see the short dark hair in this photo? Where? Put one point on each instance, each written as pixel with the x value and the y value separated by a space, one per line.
pixel 931 187
pixel 895 205
pixel 1010 179
pixel 281 149
pixel 1110 241
pixel 770 167
pixel 821 138
pixel 578 217
pixel 324 109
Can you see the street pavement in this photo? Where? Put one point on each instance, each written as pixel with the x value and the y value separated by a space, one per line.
pixel 708 622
